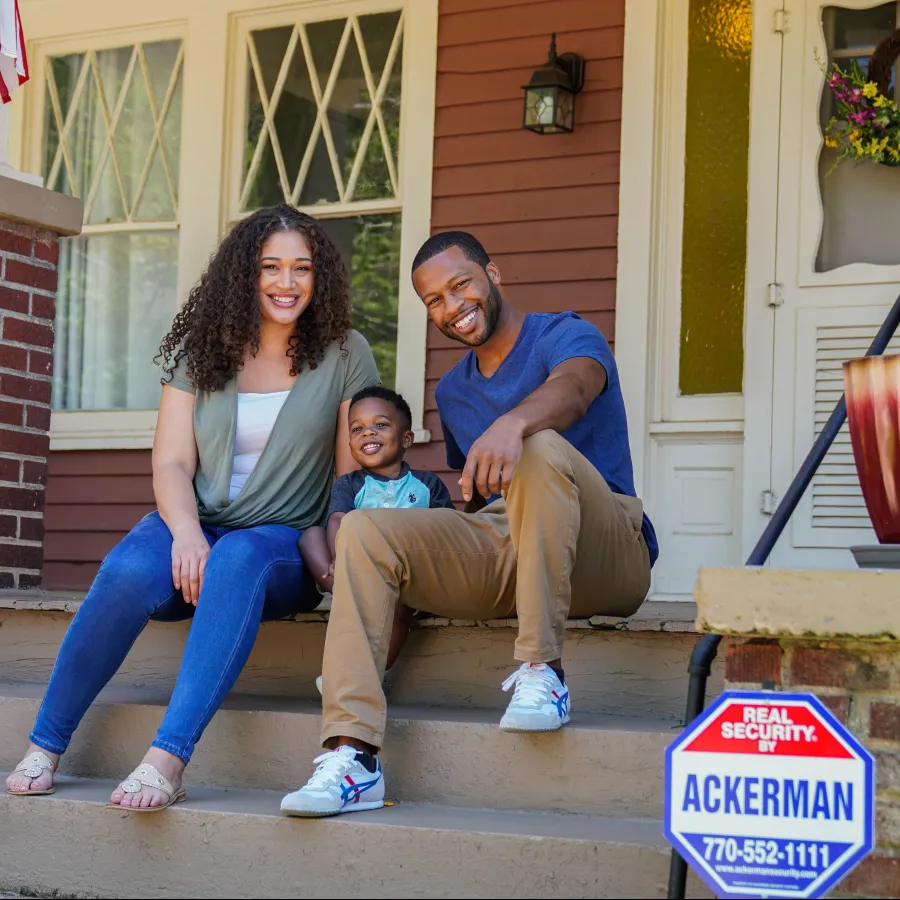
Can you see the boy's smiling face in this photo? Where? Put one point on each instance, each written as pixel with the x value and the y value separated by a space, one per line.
pixel 378 438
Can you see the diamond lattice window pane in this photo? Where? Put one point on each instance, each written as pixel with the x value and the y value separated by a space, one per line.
pixel 156 200
pixel 329 95
pixel 319 185
pixel 349 110
pixel 107 205
pixel 112 132
pixel 133 134
pixel 374 179
pixel 113 66
pixel 271 45
pixel 324 41
pixel 378 34
pixel 161 57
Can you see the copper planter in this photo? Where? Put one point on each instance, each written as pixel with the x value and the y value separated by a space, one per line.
pixel 872 389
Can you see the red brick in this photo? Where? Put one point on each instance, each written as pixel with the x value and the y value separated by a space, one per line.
pixel 7 580
pixel 24 332
pixel 43 306
pixel 24 443
pixel 25 388
pixel 13 300
pixel 48 251
pixel 884 721
pixel 753 663
pixel 40 363
pixel 8 526
pixel 31 528
pixel 13 357
pixel 11 413
pixel 20 556
pixel 27 580
pixel 875 876
pixel 37 417
pixel 835 668
pixel 13 242
pixel 34 472
pixel 840 706
pixel 9 469
pixel 887 770
pixel 30 275
pixel 17 499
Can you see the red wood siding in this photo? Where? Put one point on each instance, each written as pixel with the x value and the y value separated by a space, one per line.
pixel 544 207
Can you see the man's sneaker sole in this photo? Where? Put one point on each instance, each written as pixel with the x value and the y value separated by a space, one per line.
pixel 319 814
pixel 521 728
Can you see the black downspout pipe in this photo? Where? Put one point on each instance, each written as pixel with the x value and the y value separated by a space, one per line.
pixel 707 647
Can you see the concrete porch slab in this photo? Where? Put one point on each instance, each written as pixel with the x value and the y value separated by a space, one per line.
pixel 809 603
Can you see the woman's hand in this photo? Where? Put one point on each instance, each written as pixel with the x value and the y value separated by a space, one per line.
pixel 189 552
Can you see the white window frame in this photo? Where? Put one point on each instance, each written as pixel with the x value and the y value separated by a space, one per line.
pixel 211 30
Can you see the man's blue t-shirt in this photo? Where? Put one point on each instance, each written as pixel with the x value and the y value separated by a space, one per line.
pixel 469 403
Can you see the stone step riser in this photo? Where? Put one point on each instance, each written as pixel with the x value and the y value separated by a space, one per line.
pixel 625 673
pixel 204 852
pixel 455 763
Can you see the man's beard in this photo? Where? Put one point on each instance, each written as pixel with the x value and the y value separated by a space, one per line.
pixel 492 306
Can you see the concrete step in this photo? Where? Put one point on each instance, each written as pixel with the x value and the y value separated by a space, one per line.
pixel 635 666
pixel 608 764
pixel 236 844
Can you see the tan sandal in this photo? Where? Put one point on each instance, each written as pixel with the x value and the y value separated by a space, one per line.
pixel 143 776
pixel 32 767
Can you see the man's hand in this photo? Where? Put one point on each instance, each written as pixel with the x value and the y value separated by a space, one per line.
pixel 493 458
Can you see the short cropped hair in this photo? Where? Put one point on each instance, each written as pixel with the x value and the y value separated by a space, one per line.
pixel 392 397
pixel 444 240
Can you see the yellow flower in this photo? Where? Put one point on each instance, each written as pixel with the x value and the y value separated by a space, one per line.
pixel 894 153
pixel 870 90
pixel 830 142
pixel 853 137
pixel 880 101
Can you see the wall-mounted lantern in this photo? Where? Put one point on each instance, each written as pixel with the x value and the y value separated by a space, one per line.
pixel 550 95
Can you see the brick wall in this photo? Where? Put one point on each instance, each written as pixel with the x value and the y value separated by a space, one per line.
pixel 859 681
pixel 28 260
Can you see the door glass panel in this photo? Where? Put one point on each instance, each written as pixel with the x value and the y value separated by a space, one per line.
pixel 714 235
pixel 857 200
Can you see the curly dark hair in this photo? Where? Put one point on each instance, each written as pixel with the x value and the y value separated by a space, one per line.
pixel 221 317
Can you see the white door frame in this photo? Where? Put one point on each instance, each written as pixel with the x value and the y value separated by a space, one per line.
pixel 654 44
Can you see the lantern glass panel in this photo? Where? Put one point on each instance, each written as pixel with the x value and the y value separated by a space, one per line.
pixel 565 111
pixel 540 108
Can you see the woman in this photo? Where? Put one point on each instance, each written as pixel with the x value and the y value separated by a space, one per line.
pixel 260 368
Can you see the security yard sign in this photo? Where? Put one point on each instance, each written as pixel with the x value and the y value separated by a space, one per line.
pixel 768 795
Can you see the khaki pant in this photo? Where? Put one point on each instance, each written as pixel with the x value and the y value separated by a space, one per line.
pixel 561 543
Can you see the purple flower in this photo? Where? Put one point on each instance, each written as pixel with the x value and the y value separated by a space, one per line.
pixel 861 116
pixel 856 95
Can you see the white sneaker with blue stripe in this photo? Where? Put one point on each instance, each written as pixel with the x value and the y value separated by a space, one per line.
pixel 540 701
pixel 340 784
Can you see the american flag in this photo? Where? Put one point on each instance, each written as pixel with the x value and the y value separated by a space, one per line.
pixel 13 61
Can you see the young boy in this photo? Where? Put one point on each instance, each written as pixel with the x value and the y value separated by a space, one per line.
pixel 380 434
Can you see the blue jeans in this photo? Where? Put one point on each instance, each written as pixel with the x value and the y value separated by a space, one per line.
pixel 251 574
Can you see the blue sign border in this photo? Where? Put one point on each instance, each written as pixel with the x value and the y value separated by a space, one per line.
pixel 867 758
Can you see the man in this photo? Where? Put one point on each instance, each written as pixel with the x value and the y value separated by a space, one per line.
pixel 533 416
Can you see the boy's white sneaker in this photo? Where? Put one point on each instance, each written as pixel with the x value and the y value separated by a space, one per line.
pixel 340 784
pixel 540 701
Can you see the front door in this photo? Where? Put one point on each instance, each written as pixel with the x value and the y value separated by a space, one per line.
pixel 836 273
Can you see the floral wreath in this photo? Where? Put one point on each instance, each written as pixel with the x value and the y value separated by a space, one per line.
pixel 866 122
